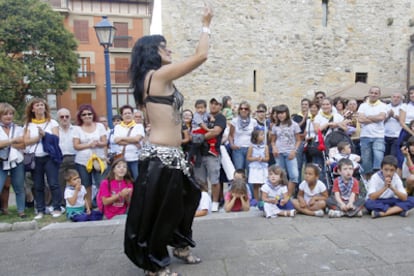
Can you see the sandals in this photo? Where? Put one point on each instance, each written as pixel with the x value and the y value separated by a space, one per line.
pixel 162 272
pixel 186 256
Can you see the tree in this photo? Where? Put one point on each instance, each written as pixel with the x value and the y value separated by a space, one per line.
pixel 37 53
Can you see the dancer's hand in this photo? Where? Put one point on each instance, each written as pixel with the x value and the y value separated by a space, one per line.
pixel 208 14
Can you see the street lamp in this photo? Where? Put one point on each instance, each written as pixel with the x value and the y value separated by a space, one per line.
pixel 105 33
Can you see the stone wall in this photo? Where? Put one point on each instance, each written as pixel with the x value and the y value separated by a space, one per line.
pixel 286 44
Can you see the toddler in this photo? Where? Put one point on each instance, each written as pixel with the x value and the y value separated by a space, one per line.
pixel 344 151
pixel 275 194
pixel 237 199
pixel 344 200
pixel 77 208
pixel 257 155
pixel 204 207
pixel 200 122
pixel 312 193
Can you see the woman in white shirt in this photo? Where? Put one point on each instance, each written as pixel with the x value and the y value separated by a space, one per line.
pixel 38 124
pixel 89 139
pixel 11 141
pixel 128 135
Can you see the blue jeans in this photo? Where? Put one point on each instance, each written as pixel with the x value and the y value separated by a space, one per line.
pixel 290 166
pixel 17 182
pixel 45 165
pixel 133 168
pixel 239 158
pixel 372 153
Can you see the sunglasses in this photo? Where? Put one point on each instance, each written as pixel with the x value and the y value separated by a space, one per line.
pixel 260 111
pixel 244 108
pixel 86 114
pixel 64 116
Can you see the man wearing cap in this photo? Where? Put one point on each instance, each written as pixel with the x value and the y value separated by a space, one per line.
pixel 210 164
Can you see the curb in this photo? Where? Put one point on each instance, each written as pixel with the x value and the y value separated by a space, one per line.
pixel 19 226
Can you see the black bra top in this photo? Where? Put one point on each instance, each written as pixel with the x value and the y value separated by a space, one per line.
pixel 176 99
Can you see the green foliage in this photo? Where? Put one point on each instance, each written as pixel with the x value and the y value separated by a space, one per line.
pixel 37 53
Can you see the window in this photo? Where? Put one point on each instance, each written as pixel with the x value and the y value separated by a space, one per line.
pixel 325 12
pixel 121 96
pixel 361 77
pixel 84 70
pixel 121 70
pixel 81 28
pixel 121 39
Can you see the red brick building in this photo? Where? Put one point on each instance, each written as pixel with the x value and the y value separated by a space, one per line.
pixel 132 20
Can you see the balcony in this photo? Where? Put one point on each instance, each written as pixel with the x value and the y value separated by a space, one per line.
pixel 84 79
pixel 122 44
pixel 120 77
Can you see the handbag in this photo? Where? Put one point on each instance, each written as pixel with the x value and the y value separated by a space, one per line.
pixel 4 152
pixel 112 156
pixel 29 161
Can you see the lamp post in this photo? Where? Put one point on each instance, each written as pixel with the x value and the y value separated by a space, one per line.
pixel 105 33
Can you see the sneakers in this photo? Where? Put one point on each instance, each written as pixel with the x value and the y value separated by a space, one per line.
pixel 375 214
pixel 260 205
pixel 292 213
pixel 215 207
pixel 39 215
pixel 319 213
pixel 335 213
pixel 253 202
pixel 359 214
pixel 56 214
pixel 404 213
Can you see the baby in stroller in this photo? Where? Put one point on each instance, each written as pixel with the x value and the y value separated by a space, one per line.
pixel 343 150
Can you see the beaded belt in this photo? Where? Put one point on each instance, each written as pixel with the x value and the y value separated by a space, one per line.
pixel 171 157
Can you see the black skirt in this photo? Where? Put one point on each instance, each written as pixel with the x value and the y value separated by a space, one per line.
pixel 161 213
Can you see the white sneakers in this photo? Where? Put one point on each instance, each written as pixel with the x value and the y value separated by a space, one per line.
pixel 319 213
pixel 39 216
pixel 215 207
pixel 335 214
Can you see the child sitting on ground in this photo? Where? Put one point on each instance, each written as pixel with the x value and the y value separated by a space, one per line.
pixel 241 174
pixel 312 193
pixel 386 193
pixel 237 199
pixel 275 194
pixel 345 201
pixel 204 207
pixel 115 192
pixel 344 151
pixel 77 208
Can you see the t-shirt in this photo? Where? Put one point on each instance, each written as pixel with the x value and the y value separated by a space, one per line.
pixel 409 112
pixel 34 132
pixel 242 135
pixel 121 205
pixel 355 188
pixel 274 191
pixel 376 183
pixel 219 120
pixel 308 193
pixel 392 125
pixel 131 150
pixel 286 137
pixel 80 199
pixel 205 202
pixel 237 203
pixel 373 130
pixel 322 120
pixel 82 156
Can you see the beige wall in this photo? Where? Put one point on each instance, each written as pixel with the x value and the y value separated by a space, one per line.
pixel 285 42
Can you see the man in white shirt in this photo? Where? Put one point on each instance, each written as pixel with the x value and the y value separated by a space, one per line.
pixel 66 146
pixel 392 124
pixel 371 116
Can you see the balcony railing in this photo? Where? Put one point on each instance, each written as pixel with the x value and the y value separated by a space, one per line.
pixel 120 76
pixel 123 41
pixel 85 77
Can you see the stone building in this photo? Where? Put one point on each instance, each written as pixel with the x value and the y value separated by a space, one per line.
pixel 278 51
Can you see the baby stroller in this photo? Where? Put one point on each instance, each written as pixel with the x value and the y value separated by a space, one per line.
pixel 331 153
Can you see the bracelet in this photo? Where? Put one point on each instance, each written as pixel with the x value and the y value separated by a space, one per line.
pixel 206 30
